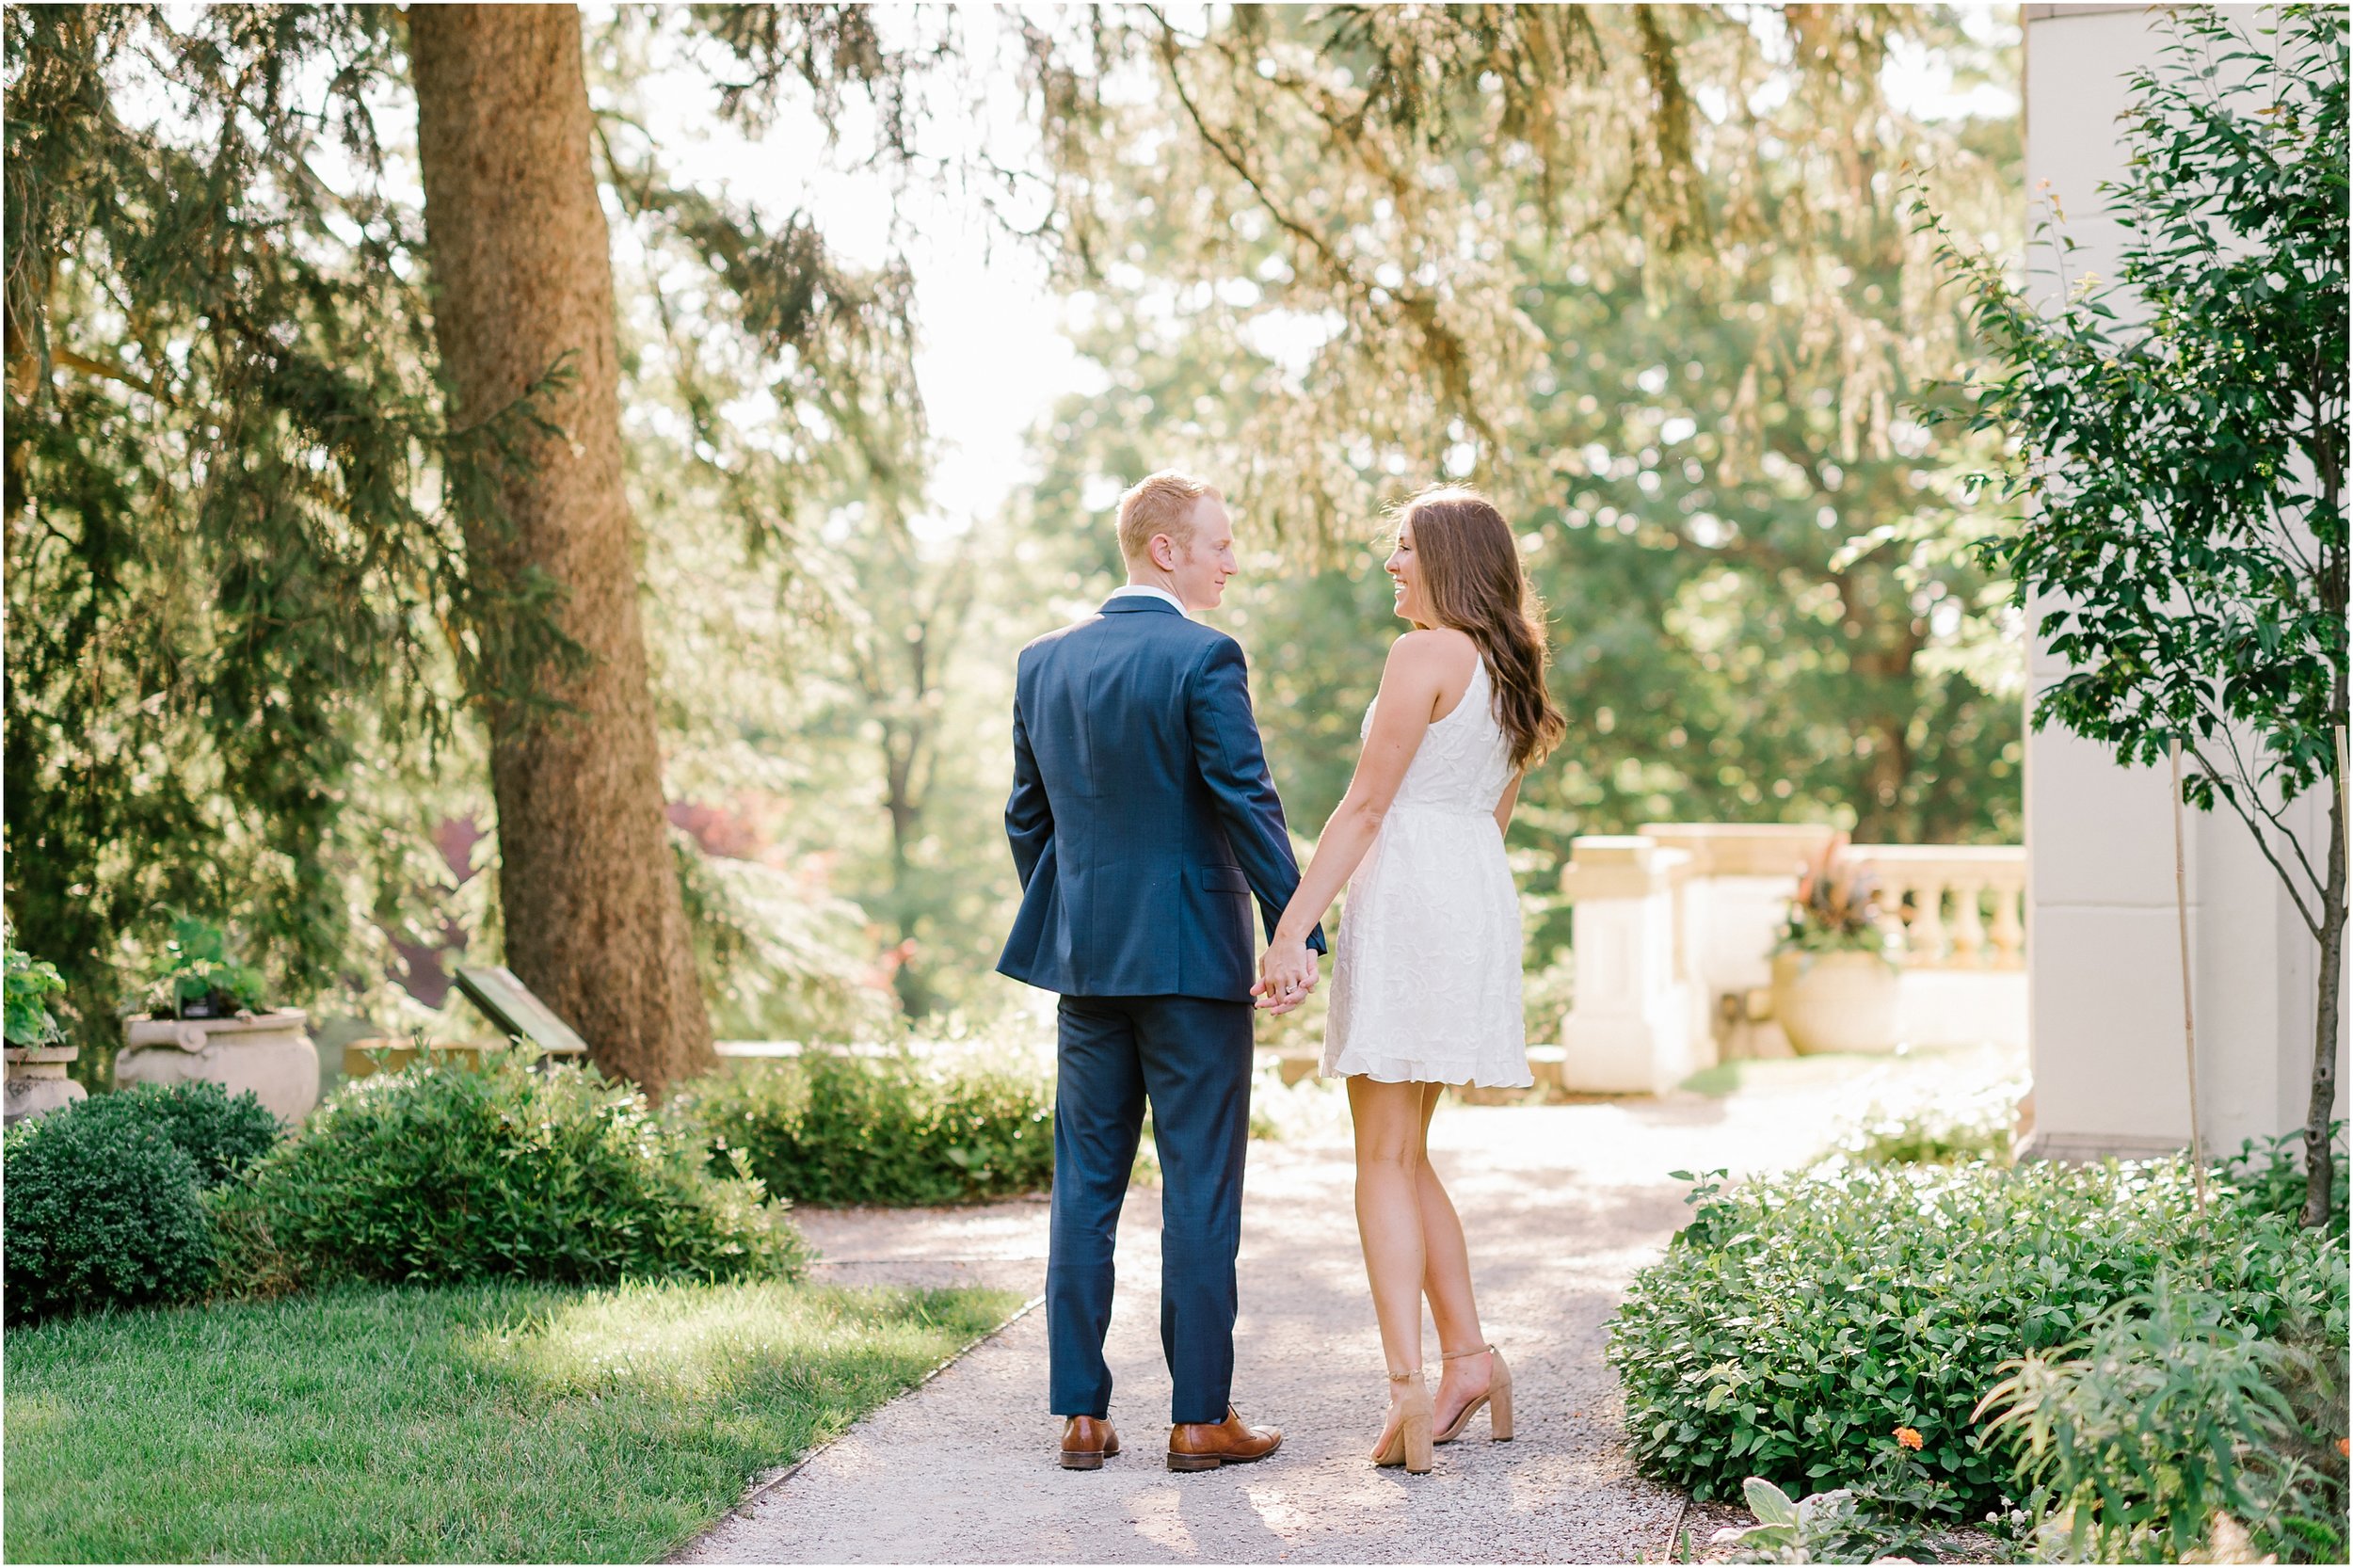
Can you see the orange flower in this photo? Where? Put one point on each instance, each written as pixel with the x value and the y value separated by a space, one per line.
pixel 1909 1438
pixel 2344 1445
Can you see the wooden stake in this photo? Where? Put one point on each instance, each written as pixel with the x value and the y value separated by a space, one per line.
pixel 2189 1017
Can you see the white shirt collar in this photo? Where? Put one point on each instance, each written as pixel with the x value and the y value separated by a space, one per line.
pixel 1145 588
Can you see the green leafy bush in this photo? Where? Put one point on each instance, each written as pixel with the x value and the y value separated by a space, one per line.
pixel 1951 1130
pixel 222 1134
pixel 1796 1321
pixel 2174 1410
pixel 2268 1176
pixel 1896 1515
pixel 103 1211
pixel 443 1172
pixel 829 1127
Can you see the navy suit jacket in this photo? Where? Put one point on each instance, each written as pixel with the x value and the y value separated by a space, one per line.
pixel 1142 818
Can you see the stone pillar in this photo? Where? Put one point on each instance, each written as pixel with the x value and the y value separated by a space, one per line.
pixel 1629 1032
pixel 1736 894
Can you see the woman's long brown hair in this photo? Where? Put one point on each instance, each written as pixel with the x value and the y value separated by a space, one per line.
pixel 1470 574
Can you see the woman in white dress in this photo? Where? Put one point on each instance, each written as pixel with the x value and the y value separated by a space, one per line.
pixel 1426 979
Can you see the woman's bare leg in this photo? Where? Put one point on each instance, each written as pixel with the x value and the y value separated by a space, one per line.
pixel 1447 1280
pixel 1388 1119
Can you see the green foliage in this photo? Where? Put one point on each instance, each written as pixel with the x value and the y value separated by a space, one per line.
pixel 831 1128
pixel 103 1211
pixel 1952 1129
pixel 781 956
pixel 1798 1320
pixel 30 983
pixel 197 974
pixel 2269 1175
pixel 440 1173
pixel 239 599
pixel 1895 1514
pixel 2171 1411
pixel 2208 1408
pixel 2182 427
pixel 220 1135
pixel 256 583
pixel 1547 991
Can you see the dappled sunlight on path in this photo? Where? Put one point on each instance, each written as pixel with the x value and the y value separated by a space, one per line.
pixel 1561 1202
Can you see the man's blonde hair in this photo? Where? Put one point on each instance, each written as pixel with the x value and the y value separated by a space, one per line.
pixel 1161 503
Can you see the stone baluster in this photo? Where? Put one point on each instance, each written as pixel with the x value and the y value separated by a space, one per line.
pixel 2008 933
pixel 1891 917
pixel 1928 944
pixel 1968 929
pixel 1964 938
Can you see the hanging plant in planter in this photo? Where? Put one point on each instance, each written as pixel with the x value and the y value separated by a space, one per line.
pixel 1834 988
pixel 1836 908
pixel 198 976
pixel 207 1021
pixel 37 1048
pixel 31 982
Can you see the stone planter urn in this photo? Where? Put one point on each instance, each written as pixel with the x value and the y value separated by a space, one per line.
pixel 37 1083
pixel 266 1052
pixel 1835 1001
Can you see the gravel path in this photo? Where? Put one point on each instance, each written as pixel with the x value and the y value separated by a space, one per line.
pixel 1562 1204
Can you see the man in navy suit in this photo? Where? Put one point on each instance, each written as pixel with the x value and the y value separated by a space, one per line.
pixel 1144 824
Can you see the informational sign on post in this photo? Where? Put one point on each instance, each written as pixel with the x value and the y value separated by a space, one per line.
pixel 513 1011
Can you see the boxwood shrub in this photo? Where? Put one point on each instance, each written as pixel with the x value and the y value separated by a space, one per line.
pixel 832 1127
pixel 1797 1321
pixel 220 1132
pixel 441 1174
pixel 102 1211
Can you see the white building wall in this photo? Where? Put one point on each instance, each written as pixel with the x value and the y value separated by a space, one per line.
pixel 2104 967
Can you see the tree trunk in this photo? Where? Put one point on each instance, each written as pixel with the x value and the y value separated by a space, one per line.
pixel 523 273
pixel 2319 1154
pixel 905 809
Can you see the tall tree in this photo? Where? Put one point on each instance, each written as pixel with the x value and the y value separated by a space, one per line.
pixel 260 582
pixel 240 616
pixel 522 276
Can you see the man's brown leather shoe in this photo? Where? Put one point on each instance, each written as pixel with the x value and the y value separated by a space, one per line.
pixel 1086 1442
pixel 1207 1444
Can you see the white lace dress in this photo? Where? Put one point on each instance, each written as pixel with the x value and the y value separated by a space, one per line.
pixel 1426 982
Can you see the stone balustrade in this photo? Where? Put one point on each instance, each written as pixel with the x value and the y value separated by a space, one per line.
pixel 1955 906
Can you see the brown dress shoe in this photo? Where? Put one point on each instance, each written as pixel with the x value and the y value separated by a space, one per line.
pixel 1207 1444
pixel 1086 1442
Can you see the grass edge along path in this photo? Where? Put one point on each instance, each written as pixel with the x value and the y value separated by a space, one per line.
pixel 472 1423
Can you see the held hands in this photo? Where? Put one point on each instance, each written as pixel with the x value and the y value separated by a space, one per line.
pixel 1286 972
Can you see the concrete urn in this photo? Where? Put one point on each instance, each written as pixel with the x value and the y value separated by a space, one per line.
pixel 1835 1001
pixel 38 1084
pixel 269 1054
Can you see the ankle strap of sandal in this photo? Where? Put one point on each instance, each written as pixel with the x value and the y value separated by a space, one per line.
pixel 1457 1355
pixel 1405 1377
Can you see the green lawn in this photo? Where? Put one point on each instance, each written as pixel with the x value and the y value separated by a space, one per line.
pixel 494 1423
